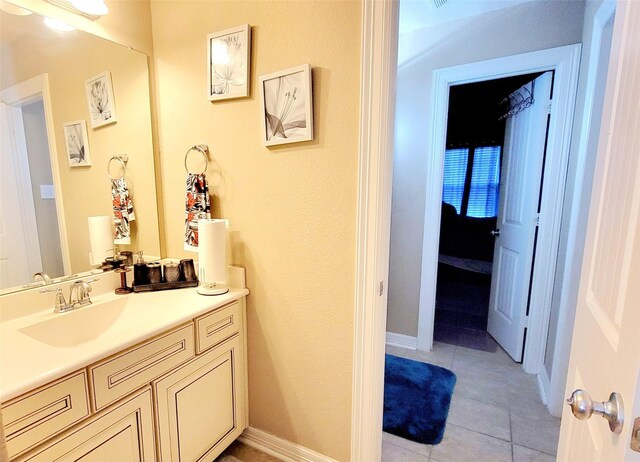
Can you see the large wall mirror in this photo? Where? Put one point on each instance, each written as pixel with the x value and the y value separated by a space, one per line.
pixel 45 201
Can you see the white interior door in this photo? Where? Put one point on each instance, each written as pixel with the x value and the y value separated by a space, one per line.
pixel 522 161
pixel 605 354
pixel 19 246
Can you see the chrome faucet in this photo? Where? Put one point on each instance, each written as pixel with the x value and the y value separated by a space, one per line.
pixel 78 296
pixel 81 290
pixel 61 304
pixel 44 277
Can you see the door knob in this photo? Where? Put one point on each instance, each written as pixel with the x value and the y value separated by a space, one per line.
pixel 495 232
pixel 583 407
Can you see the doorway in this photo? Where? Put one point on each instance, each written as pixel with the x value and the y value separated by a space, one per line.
pixel 35 237
pixel 374 219
pixel 563 61
pixel 496 136
pixel 474 176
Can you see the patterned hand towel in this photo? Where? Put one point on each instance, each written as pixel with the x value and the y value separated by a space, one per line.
pixel 122 211
pixel 197 205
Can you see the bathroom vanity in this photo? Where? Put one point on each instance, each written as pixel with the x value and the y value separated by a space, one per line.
pixel 140 377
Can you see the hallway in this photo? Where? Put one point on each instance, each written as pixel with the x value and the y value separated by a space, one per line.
pixel 495 413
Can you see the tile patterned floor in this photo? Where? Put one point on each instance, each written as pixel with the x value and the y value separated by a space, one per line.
pixel 495 412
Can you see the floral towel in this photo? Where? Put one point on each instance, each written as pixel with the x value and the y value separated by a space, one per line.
pixel 122 211
pixel 197 205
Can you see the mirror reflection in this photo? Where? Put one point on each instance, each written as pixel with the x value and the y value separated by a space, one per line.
pixel 59 132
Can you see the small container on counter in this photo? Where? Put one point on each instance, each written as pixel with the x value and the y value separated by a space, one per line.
pixel 188 269
pixel 141 274
pixel 155 273
pixel 172 272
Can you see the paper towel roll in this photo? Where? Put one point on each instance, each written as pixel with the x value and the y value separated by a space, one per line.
pixel 212 250
pixel 100 239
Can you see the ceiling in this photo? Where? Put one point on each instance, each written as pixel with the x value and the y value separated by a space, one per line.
pixel 418 14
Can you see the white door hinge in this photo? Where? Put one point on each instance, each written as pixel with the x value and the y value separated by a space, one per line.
pixel 381 288
pixel 538 219
pixel 549 107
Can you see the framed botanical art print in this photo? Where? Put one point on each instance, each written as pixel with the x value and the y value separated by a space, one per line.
pixel 287 106
pixel 229 62
pixel 77 142
pixel 102 107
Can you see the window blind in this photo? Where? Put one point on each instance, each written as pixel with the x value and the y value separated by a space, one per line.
pixel 485 183
pixel 483 189
pixel 455 172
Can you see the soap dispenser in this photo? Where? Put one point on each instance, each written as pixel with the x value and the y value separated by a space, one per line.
pixel 140 271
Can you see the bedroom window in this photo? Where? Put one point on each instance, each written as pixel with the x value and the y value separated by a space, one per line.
pixel 455 172
pixel 472 180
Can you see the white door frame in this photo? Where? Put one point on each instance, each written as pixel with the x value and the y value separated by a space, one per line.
pixel 565 62
pixel 377 111
pixel 24 93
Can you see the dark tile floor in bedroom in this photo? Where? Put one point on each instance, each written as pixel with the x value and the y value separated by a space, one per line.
pixel 495 414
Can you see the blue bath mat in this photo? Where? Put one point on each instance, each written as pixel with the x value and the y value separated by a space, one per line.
pixel 416 399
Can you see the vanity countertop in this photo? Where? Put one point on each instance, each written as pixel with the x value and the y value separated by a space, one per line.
pixel 35 351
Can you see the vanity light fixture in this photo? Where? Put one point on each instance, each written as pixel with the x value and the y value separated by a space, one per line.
pixel 56 24
pixel 91 9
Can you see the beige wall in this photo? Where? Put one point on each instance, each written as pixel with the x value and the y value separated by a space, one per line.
pixel 292 210
pixel 518 29
pixel 86 191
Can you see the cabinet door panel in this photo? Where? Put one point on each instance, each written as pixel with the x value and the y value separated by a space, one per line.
pixel 122 433
pixel 198 406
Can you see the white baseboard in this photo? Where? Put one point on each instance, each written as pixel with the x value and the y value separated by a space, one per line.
pixel 280 448
pixel 402 341
pixel 543 385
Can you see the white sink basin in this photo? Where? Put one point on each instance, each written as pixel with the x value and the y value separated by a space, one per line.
pixel 78 326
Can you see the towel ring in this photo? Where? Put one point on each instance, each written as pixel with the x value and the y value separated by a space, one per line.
pixel 122 159
pixel 202 149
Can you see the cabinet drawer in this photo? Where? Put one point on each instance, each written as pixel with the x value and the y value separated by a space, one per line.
pixel 119 375
pixel 31 419
pixel 215 327
pixel 122 433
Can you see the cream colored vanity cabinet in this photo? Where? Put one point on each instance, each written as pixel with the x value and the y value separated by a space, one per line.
pixel 201 406
pixel 157 400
